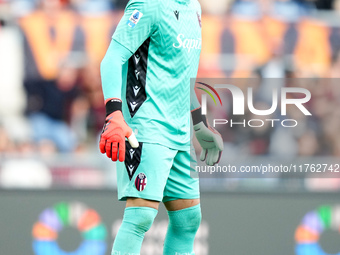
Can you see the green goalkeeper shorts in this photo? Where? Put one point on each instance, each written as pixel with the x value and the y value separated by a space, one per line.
pixel 156 172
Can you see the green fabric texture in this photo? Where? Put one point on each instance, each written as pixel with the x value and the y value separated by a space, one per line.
pixel 180 236
pixel 136 222
pixel 111 70
pixel 174 33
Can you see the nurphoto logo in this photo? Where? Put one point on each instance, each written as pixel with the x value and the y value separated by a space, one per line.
pixel 244 102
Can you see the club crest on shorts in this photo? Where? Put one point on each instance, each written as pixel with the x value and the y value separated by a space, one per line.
pixel 140 181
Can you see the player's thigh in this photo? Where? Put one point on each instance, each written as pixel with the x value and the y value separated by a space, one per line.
pixel 182 183
pixel 145 172
pixel 140 202
pixel 179 204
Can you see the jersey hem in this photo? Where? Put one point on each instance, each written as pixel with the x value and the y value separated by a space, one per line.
pixel 143 196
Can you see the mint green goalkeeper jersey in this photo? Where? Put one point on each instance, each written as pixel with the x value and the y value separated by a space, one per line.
pixel 165 37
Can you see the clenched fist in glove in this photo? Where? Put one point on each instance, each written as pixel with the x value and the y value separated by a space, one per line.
pixel 209 139
pixel 112 139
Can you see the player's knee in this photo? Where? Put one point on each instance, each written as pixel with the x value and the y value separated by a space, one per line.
pixel 188 219
pixel 139 218
pixel 146 220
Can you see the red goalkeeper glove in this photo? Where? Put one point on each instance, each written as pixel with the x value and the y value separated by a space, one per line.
pixel 112 139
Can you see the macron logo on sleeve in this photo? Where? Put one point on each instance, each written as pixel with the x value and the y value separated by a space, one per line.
pixel 134 18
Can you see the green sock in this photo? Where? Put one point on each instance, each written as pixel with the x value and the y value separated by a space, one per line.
pixel 136 222
pixel 183 225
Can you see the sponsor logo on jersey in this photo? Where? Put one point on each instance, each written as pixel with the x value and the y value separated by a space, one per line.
pixel 134 18
pixel 188 43
pixel 140 181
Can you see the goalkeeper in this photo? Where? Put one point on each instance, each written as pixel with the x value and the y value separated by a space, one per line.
pixel 146 84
